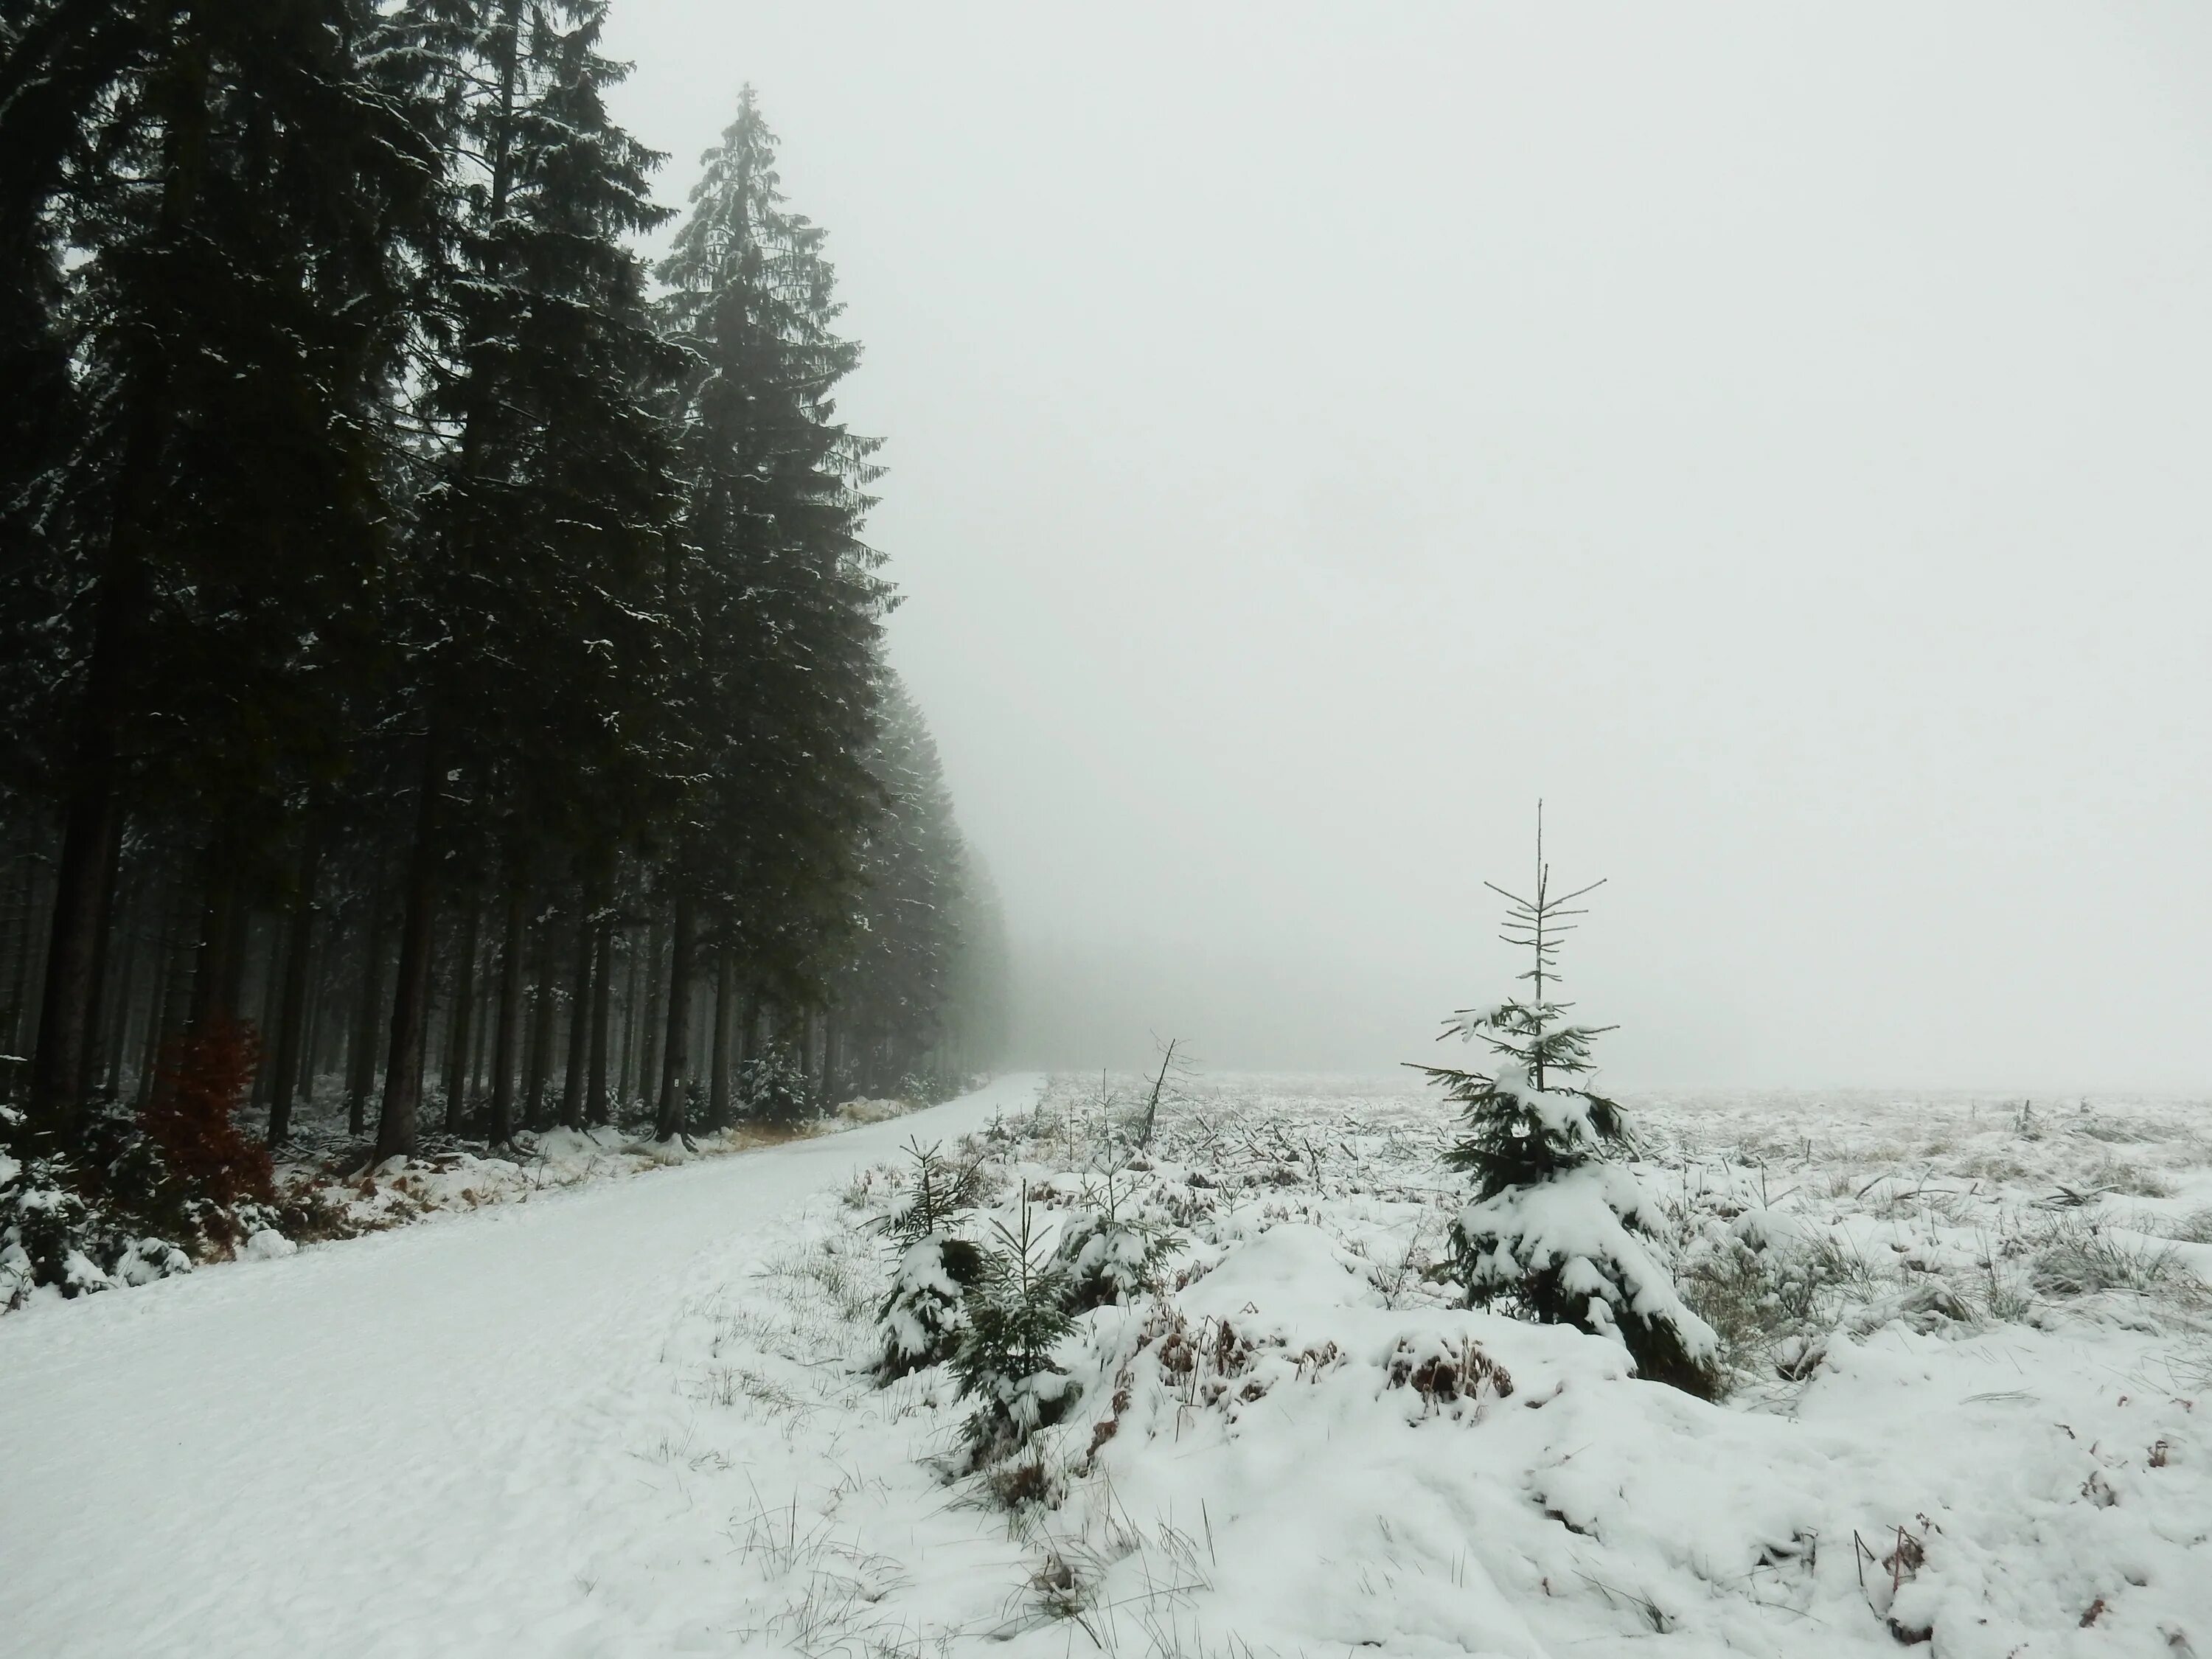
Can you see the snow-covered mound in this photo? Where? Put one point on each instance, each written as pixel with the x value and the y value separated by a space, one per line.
pixel 1304 1442
pixel 1966 1342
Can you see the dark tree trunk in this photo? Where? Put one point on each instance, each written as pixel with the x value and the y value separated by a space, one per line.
pixel 457 1028
pixel 129 925
pixel 83 881
pixel 602 1009
pixel 668 1122
pixel 544 1008
pixel 237 957
pixel 212 979
pixel 648 1029
pixel 170 993
pixel 292 1020
pixel 485 1019
pixel 93 810
pixel 580 1025
pixel 410 1001
pixel 315 1058
pixel 20 978
pixel 726 1013
pixel 20 873
pixel 632 1010
pixel 505 1050
pixel 272 1016
pixel 360 1057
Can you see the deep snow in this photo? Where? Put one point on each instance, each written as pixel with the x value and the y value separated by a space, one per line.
pixel 634 1417
pixel 420 1441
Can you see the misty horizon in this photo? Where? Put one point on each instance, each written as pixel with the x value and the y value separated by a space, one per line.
pixel 1832 388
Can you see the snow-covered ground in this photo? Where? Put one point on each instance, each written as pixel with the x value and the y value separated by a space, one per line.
pixel 634 1417
pixel 437 1439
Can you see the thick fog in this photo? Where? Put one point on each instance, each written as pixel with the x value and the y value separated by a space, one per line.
pixel 1777 439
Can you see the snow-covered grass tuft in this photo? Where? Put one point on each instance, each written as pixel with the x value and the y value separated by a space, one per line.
pixel 1959 1329
pixel 1965 1400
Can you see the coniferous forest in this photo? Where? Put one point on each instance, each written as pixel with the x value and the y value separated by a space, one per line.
pixel 441 660
pixel 517 1125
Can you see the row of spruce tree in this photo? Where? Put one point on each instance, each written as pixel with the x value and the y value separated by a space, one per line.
pixel 426 639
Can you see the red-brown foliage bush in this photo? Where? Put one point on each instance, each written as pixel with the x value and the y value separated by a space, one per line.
pixel 200 1082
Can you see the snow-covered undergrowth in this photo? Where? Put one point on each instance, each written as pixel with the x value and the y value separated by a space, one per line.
pixel 1966 1342
pixel 325 1188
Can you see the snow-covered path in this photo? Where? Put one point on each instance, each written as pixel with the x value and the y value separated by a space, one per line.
pixel 409 1443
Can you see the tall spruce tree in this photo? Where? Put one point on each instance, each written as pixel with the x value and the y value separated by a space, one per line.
pixel 368 536
pixel 535 592
pixel 900 973
pixel 235 189
pixel 776 598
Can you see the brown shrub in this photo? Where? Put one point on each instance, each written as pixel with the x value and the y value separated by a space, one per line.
pixel 1459 1371
pixel 200 1083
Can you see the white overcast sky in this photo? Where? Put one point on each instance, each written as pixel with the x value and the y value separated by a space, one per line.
pixel 1778 436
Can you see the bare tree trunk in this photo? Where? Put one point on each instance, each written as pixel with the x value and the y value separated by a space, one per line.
pixel 22 911
pixel 83 880
pixel 211 966
pixel 633 1009
pixel 543 1008
pixel 505 1052
pixel 327 972
pixel 361 1057
pixel 172 993
pixel 602 1006
pixel 102 950
pixel 141 988
pixel 485 1019
pixel 129 925
pixel 580 1023
pixel 648 1029
pixel 726 1013
pixel 457 1027
pixel 668 1122
pixel 272 990
pixel 410 1001
pixel 292 1036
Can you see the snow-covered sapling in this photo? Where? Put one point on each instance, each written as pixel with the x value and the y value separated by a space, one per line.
pixel 1016 1316
pixel 1110 1255
pixel 775 1089
pixel 923 1317
pixel 1558 1229
pixel 53 1234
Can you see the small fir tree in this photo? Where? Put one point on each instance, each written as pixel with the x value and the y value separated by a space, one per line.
pixel 775 1090
pixel 1559 1229
pixel 1017 1315
pixel 922 1320
pixel 1108 1250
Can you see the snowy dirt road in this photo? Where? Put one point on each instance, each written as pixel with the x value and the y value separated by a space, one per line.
pixel 418 1443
